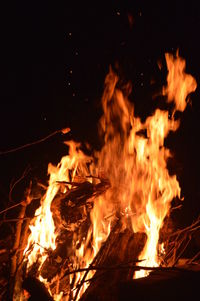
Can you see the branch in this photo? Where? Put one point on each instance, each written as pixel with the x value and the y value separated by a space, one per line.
pixel 117 267
pixel 9 208
pixel 26 171
pixel 63 131
pixel 14 219
pixel 14 280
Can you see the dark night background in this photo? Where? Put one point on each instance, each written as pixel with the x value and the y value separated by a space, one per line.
pixel 54 62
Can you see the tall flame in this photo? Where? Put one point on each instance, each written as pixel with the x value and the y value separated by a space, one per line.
pixel 134 160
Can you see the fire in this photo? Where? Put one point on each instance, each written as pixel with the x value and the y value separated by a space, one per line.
pixel 43 233
pixel 180 84
pixel 134 160
pixel 99 232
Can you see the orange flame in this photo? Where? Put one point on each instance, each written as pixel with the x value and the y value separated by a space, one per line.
pixel 180 84
pixel 134 160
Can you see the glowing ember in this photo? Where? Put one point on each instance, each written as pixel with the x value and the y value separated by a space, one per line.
pixel 134 160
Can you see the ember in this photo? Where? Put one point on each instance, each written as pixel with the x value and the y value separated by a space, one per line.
pixel 101 216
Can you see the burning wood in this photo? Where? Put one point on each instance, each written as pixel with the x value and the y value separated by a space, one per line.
pixel 117 264
pixel 100 218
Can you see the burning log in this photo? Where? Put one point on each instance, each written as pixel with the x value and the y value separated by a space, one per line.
pixel 81 194
pixel 121 248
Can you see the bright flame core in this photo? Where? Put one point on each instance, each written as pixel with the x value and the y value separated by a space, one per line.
pixel 134 160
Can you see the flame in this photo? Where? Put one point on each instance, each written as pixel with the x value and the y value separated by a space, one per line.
pixel 134 160
pixel 97 233
pixel 180 84
pixel 43 233
pixel 136 165
pixel 134 156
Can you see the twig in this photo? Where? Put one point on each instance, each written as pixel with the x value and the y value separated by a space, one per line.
pixel 26 171
pixel 117 267
pixel 194 258
pixel 182 251
pixel 84 277
pixel 63 131
pixel 189 228
pixel 14 280
pixel 14 206
pixel 177 207
pixel 9 208
pixel 13 220
pixel 86 270
pixel 178 242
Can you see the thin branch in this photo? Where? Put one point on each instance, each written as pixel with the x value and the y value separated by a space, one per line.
pixel 86 273
pixel 117 267
pixel 182 251
pixel 13 220
pixel 189 228
pixel 63 131
pixel 26 171
pixel 14 280
pixel 9 208
pixel 178 241
pixel 194 258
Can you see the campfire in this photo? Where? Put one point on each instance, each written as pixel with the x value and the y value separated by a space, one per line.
pixel 104 218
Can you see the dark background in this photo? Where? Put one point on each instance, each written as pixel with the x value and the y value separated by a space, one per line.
pixel 53 64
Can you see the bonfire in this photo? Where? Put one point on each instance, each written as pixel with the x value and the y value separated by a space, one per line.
pixel 104 217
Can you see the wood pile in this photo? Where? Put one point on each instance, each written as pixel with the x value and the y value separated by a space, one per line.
pixel 114 264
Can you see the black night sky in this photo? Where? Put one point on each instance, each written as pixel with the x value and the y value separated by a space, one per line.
pixel 54 62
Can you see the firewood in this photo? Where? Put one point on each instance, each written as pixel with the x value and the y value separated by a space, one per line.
pixel 121 248
pixel 72 208
pixel 81 192
pixel 15 279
